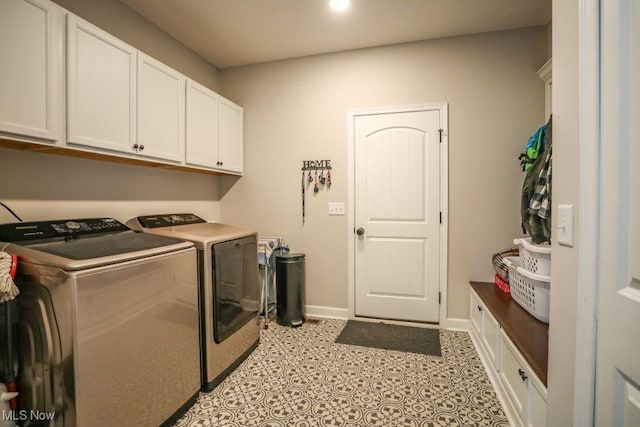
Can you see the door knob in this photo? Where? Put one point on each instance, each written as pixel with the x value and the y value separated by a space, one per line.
pixel 360 231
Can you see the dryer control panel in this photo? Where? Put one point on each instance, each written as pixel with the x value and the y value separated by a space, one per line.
pixel 42 230
pixel 169 220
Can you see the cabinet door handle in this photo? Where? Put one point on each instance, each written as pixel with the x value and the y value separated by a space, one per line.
pixel 135 146
pixel 522 375
pixel 142 147
pixel 480 308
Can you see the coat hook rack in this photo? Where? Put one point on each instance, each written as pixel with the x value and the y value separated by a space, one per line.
pixel 322 179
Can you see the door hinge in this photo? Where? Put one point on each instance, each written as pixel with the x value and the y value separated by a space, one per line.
pixel 439 297
pixel 440 131
pixel 440 217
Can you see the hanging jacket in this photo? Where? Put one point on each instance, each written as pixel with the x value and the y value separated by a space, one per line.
pixel 535 205
pixel 534 148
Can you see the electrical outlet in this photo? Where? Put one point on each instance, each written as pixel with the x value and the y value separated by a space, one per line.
pixel 336 208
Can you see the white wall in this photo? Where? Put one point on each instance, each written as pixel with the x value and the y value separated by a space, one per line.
pixel 296 110
pixel 566 188
pixel 41 186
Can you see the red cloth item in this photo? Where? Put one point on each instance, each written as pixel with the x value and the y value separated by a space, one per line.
pixel 504 287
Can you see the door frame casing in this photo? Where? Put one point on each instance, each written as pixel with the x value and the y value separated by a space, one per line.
pixel 589 212
pixel 443 108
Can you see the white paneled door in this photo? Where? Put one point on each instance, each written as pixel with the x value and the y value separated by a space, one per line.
pixel 618 368
pixel 397 215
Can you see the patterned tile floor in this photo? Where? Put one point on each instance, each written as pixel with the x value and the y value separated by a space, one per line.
pixel 300 377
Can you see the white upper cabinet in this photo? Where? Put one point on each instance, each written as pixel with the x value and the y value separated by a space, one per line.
pixel 120 102
pixel 30 78
pixel 202 126
pixel 230 136
pixel 161 110
pixel 214 130
pixel 101 88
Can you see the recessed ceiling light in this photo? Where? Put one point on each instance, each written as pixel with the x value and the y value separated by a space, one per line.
pixel 339 5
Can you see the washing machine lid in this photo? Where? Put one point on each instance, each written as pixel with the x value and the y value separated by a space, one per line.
pixel 188 227
pixel 83 243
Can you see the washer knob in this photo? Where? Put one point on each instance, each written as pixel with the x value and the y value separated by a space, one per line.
pixel 72 225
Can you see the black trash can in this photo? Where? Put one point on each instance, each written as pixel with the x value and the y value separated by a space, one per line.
pixel 290 289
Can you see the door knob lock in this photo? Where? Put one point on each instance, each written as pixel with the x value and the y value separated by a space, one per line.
pixel 360 231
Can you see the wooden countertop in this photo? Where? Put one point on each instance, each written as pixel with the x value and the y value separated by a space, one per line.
pixel 529 335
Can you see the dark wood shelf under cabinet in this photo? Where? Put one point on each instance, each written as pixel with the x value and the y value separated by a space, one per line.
pixel 529 335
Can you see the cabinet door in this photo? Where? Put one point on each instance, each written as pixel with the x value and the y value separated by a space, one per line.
pixel 202 126
pixel 491 338
pixel 230 137
pixel 101 88
pixel 29 74
pixel 538 410
pixel 476 310
pixel 160 110
pixel 514 377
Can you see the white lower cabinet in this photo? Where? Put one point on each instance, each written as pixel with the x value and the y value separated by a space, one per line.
pixel 476 313
pixel 514 377
pixel 522 394
pixel 488 330
pixel 538 406
pixel 526 391
pixel 491 338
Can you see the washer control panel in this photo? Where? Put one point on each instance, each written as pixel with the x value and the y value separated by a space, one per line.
pixel 40 230
pixel 169 220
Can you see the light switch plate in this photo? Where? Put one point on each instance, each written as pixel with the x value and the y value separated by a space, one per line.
pixel 564 233
pixel 336 208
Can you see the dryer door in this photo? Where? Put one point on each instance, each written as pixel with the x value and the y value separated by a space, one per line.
pixel 236 293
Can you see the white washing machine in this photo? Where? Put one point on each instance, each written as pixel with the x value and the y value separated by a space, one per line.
pixel 229 288
pixel 108 330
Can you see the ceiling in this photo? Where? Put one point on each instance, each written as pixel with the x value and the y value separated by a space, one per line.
pixel 230 33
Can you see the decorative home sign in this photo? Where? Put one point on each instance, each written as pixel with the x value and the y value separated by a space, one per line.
pixel 324 179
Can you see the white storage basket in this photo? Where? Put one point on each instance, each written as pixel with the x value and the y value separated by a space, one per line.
pixel 529 290
pixel 534 258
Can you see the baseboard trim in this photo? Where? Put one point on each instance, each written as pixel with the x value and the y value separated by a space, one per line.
pixel 457 324
pixel 326 312
pixel 343 313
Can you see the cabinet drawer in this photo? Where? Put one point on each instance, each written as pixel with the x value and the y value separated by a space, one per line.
pixel 514 377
